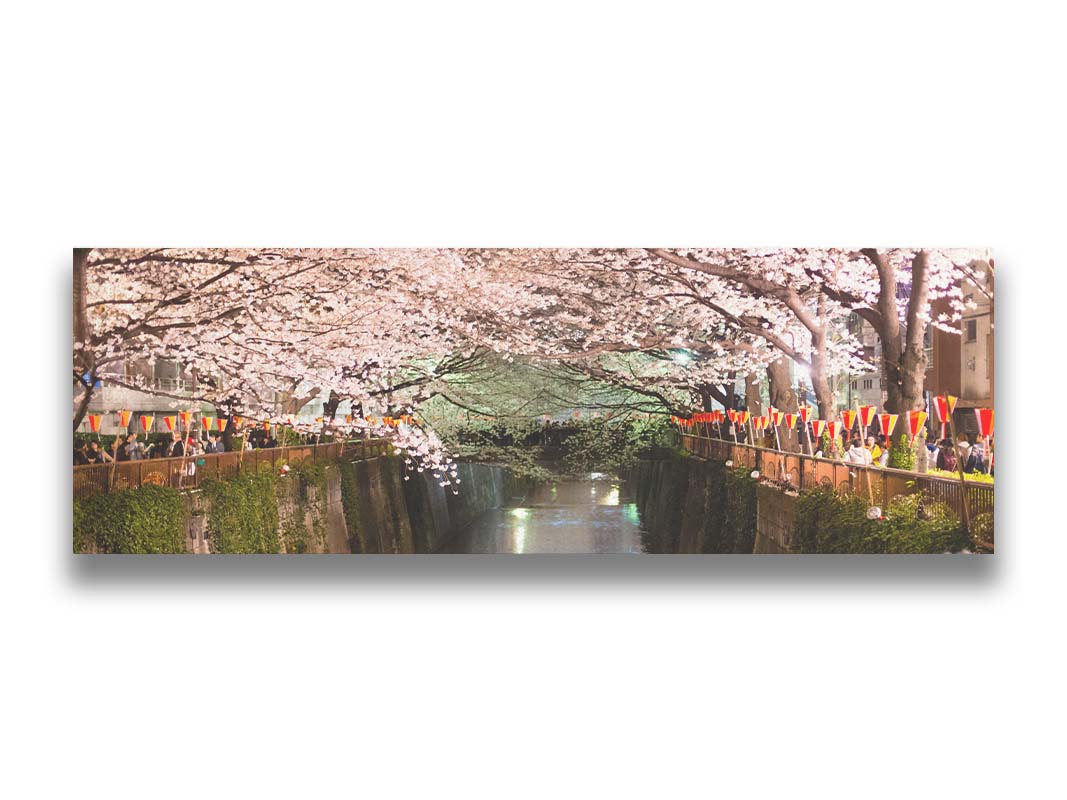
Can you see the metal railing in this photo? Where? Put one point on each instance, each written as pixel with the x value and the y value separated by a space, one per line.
pixel 95 479
pixel 878 484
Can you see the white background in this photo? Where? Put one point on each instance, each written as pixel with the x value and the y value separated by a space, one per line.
pixel 613 124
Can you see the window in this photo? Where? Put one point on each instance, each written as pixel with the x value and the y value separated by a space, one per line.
pixel 971 334
pixel 867 383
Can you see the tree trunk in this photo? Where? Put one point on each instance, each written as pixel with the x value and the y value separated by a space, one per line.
pixel 820 380
pixel 913 359
pixel 888 329
pixel 784 398
pixel 329 408
pixel 753 401
pixel 83 356
pixel 83 405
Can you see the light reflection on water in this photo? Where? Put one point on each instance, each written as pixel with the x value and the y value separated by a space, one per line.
pixel 574 516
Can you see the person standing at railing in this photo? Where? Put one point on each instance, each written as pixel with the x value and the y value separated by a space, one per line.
pixel 176 448
pixel 94 455
pixel 946 456
pixel 134 449
pixel 858 454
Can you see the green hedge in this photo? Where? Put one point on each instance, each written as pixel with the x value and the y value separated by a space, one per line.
pixel 243 516
pixel 150 519
pixel 827 522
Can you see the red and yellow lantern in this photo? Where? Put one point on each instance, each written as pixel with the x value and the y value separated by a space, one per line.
pixel 916 420
pixel 848 420
pixel 888 422
pixel 94 422
pixel 171 422
pixel 804 412
pixel 945 405
pixel 146 422
pixel 791 421
pixel 831 428
pixel 985 421
pixel 817 427
pixel 207 422
pixel 867 417
pixel 124 419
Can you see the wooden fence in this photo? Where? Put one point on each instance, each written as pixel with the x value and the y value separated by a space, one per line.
pixel 99 478
pixel 878 484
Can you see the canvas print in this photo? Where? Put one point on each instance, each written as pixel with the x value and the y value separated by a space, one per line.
pixel 533 400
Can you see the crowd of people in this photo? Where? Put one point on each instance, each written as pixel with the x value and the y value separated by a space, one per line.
pixel 873 450
pixel 132 447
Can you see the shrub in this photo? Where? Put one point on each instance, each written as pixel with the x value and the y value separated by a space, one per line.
pixel 243 515
pixel 901 455
pixel 150 519
pixel 830 523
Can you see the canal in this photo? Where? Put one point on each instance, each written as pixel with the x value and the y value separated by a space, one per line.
pixel 597 515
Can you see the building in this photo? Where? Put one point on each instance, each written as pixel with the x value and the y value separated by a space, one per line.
pixel 962 364
pixel 864 388
pixel 165 377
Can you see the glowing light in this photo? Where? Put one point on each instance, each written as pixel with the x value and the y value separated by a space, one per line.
pixel 521 513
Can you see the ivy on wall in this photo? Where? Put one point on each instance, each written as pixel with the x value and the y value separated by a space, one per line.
pixel 149 519
pixel 827 522
pixel 739 511
pixel 243 513
pixel 311 501
pixel 352 505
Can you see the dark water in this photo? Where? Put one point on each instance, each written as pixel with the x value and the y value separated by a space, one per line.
pixel 573 516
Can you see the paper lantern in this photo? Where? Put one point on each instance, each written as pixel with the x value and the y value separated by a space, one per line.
pixel 867 416
pixel 985 421
pixel 888 422
pixel 236 421
pixel 945 405
pixel 186 417
pixel 791 421
pixel 124 419
pixel 732 414
pixel 831 428
pixel 817 427
pixel 848 419
pixel 207 422
pixel 266 424
pixel 742 417
pixel 916 420
pixel 171 422
pixel 220 424
pixel 94 422
pixel 146 422
pixel 804 412
pixel 776 416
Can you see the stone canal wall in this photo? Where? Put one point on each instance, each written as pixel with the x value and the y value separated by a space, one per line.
pixel 354 507
pixel 688 505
